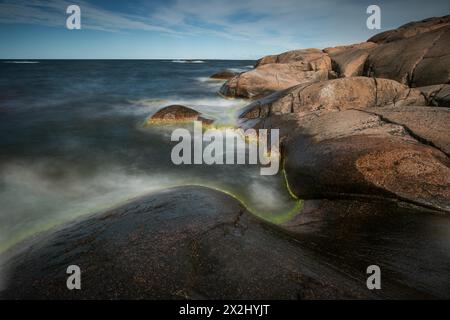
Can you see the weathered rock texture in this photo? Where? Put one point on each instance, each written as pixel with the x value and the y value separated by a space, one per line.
pixel 359 137
pixel 310 58
pixel 428 125
pixel 416 54
pixel 355 154
pixel 187 242
pixel 411 29
pixel 359 233
pixel 290 69
pixel 196 243
pixel 348 61
pixel 334 95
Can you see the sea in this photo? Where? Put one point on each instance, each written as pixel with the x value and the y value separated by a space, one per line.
pixel 74 140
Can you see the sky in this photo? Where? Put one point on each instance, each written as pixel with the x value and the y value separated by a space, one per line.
pixel 194 29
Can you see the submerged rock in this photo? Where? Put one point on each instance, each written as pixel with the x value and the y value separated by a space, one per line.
pixel 223 75
pixel 177 113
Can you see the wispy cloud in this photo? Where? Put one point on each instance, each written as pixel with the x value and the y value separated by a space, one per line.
pixel 53 13
pixel 267 22
pixel 262 21
pixel 272 25
pixel 291 23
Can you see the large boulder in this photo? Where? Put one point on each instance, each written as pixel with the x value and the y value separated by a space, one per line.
pixel 269 78
pixel 186 242
pixel 348 61
pixel 279 72
pixel 333 95
pixel 411 29
pixel 375 153
pixel 177 113
pixel 397 237
pixel 307 57
pixel 355 153
pixel 418 60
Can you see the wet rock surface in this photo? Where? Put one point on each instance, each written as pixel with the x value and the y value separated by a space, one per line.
pixel 177 113
pixel 409 245
pixel 197 243
pixel 187 242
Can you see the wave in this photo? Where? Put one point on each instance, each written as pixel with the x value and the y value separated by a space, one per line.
pixel 218 108
pixel 188 61
pixel 20 61
pixel 201 102
pixel 214 84
pixel 241 69
pixel 108 187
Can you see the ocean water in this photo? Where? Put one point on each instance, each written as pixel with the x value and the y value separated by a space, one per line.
pixel 73 142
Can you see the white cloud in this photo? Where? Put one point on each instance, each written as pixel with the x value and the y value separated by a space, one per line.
pixel 53 13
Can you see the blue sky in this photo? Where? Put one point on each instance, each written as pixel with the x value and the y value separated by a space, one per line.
pixel 191 29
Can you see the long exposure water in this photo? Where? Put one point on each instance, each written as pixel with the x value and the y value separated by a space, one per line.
pixel 73 140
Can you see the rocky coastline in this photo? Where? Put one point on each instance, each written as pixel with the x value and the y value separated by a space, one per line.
pixel 365 133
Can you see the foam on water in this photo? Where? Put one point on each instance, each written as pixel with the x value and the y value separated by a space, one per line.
pixel 188 61
pixel 73 141
pixel 21 62
pixel 221 109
